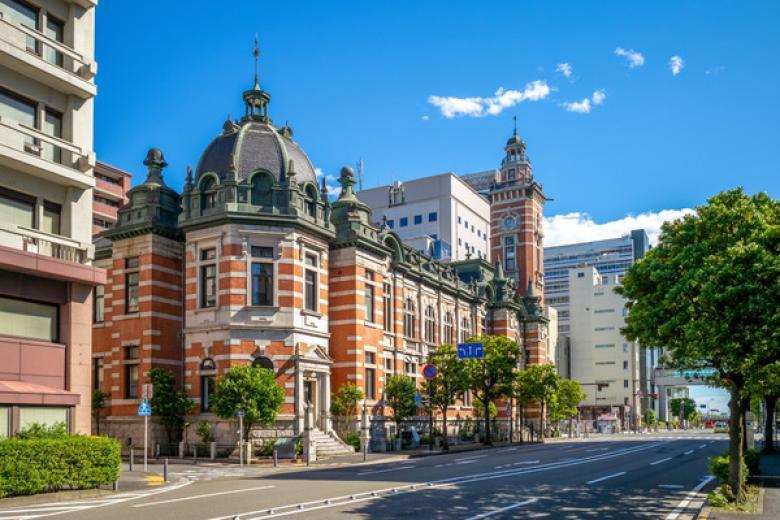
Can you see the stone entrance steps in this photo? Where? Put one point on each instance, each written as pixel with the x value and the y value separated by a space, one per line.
pixel 329 445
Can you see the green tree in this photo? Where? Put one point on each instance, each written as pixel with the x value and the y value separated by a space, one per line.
pixel 564 402
pixel 344 406
pixel 169 405
pixel 98 405
pixel 491 377
pixel 709 294
pixel 538 384
pixel 251 389
pixel 449 384
pixel 683 407
pixel 765 385
pixel 399 396
pixel 650 417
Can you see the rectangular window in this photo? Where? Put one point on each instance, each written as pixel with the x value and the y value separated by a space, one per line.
pixel 55 30
pixel 625 383
pixel 208 384
pixel 391 223
pixel 369 297
pixel 466 224
pixel 99 313
pixel 403 222
pixel 370 384
pixel 625 365
pixel 602 329
pixel 4 422
pixel 208 285
pixel 97 373
pixel 29 319
pixel 580 275
pixel 433 216
pixel 388 307
pixel 45 415
pixel 603 311
pixel 52 125
pixel 458 220
pixel 131 372
pixel 17 209
pixel 262 283
pixel 19 109
pixel 418 219
pixel 605 362
pixel 625 347
pixel 370 358
pixel 310 281
pixel 262 252
pixel 388 364
pixel 605 280
pixel 51 218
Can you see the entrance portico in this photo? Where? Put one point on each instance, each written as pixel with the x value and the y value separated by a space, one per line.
pixel 312 386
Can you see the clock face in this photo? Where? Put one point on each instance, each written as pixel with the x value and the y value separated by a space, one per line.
pixel 509 222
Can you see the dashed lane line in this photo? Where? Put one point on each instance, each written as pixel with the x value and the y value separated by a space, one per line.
pixel 205 495
pixel 660 461
pixel 606 477
pixel 688 452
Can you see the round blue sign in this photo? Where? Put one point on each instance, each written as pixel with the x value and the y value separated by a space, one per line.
pixel 430 372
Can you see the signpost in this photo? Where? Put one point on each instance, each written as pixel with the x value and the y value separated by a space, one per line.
pixel 240 414
pixel 145 411
pixel 429 373
pixel 471 350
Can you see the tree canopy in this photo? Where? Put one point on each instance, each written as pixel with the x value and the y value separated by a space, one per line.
pixel 169 405
pixel 709 293
pixel 399 396
pixel 251 389
pixel 449 384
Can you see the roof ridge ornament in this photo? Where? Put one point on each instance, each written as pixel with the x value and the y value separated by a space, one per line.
pixel 256 99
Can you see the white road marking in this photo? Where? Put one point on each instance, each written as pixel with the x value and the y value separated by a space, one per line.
pixel 205 495
pixel 599 449
pixel 501 510
pixel 671 486
pixel 701 446
pixel 688 452
pixel 607 477
pixel 385 470
pixel 660 461
pixel 298 508
pixel 471 457
pixel 687 500
pixel 468 461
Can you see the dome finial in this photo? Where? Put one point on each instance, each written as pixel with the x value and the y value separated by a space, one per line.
pixel 256 54
pixel 155 162
pixel 514 131
pixel 256 99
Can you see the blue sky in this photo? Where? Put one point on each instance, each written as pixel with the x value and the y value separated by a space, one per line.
pixel 355 80
pixel 377 80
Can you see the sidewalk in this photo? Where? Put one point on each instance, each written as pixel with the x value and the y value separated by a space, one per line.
pixel 770 484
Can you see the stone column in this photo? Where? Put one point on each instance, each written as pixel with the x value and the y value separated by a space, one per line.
pixel 324 378
pixel 299 404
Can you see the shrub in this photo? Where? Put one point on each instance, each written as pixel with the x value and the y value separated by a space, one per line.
pixel 34 465
pixel 719 467
pixel 752 458
pixel 42 431
pixel 353 439
pixel 204 432
pixel 267 449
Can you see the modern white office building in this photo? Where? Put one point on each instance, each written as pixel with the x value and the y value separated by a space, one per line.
pixel 440 214
pixel 47 88
pixel 600 358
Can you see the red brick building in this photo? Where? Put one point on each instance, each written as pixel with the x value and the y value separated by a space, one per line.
pixel 261 267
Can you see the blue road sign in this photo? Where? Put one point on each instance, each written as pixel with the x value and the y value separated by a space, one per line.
pixel 144 409
pixel 471 350
pixel 240 413
pixel 430 372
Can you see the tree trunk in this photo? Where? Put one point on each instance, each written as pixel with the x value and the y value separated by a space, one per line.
pixel 770 402
pixel 445 442
pixel 744 408
pixel 541 420
pixel 522 423
pixel 488 441
pixel 736 478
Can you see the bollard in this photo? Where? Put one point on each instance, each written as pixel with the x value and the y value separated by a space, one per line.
pixel 115 485
pixel 165 470
pixel 132 453
pixel 194 453
pixel 276 458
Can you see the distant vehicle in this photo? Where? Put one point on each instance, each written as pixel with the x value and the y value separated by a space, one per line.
pixel 709 424
pixel 721 427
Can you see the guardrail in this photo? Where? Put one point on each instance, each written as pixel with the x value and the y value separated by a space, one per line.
pixel 19 137
pixel 34 241
pixel 46 48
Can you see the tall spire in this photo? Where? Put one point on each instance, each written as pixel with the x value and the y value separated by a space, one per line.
pixel 256 54
pixel 514 131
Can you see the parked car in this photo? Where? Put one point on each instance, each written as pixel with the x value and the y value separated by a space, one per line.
pixel 721 427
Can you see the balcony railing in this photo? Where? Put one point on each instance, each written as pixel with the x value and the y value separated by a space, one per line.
pixel 34 241
pixel 46 48
pixel 23 138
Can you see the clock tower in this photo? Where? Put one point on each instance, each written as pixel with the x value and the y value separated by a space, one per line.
pixel 516 204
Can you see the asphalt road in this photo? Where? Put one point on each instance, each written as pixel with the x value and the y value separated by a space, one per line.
pixel 637 476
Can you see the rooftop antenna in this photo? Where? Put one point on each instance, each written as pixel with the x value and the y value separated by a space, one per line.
pixel 514 119
pixel 360 174
pixel 256 54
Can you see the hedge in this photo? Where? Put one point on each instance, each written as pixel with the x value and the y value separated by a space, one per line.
pixel 29 466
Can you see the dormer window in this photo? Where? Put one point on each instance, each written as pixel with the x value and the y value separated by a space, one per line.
pixel 208 194
pixel 397 195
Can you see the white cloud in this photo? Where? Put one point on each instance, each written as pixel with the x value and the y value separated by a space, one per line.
pixel 425 118
pixel 580 107
pixel 635 59
pixel 577 227
pixel 564 68
pixel 451 106
pixel 676 65
pixel 334 188
pixel 715 71
pixel 585 106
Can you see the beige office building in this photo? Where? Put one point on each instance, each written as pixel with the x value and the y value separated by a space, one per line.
pixel 604 361
pixel 47 90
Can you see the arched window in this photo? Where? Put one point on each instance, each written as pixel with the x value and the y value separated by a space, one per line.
pixel 430 324
pixel 262 193
pixel 409 319
pixel 208 383
pixel 311 201
pixel 263 362
pixel 208 193
pixel 465 330
pixel 448 328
